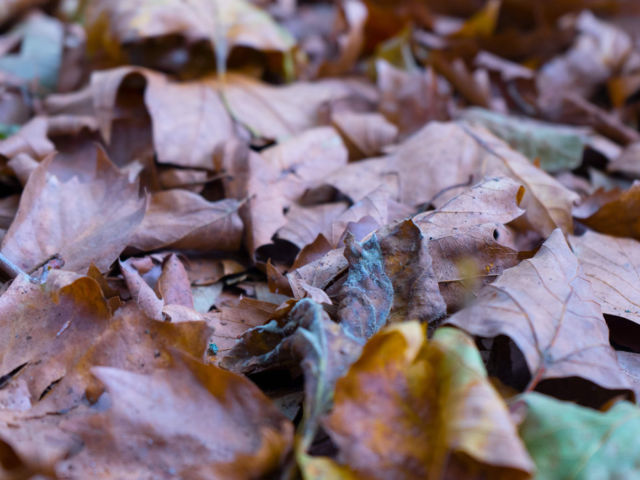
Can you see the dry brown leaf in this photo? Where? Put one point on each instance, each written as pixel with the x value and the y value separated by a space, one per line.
pixel 468 239
pixel 198 422
pixel 184 220
pixel 599 51
pixel 452 156
pixel 619 215
pixel 48 328
pixel 612 265
pixel 412 409
pixel 85 217
pixel 547 307
pixel 365 134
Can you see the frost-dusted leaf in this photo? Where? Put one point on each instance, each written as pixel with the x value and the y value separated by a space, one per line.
pixel 366 297
pixel 569 441
pixel 46 330
pixel 612 265
pixel 408 408
pixel 184 220
pixel 113 24
pixel 191 420
pixel 85 217
pixel 557 147
pixel 619 215
pixel 307 336
pixel 547 307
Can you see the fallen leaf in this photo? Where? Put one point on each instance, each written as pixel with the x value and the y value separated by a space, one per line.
pixel 155 426
pixel 541 304
pixel 83 217
pixel 557 147
pixel 618 216
pixel 612 267
pixel 365 134
pixel 408 408
pixel 49 328
pixel 224 25
pixel 569 441
pixel 184 220
pixel 366 297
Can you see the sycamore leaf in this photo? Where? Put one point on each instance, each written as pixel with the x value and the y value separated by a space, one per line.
pixel 569 441
pixel 547 307
pixel 306 336
pixel 408 408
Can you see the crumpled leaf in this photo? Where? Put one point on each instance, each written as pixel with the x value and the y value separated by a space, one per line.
pixel 569 441
pixel 85 217
pixel 612 265
pixel 306 336
pixel 547 307
pixel 408 408
pixel 181 219
pixel 366 297
pixel 557 147
pixel 272 180
pixel 154 427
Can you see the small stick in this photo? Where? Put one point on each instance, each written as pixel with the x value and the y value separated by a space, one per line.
pixel 10 268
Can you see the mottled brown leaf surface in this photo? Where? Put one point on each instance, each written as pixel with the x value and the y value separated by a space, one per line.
pixel 307 240
pixel 408 408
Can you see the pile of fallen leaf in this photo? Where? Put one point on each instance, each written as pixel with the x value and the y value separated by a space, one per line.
pixel 361 239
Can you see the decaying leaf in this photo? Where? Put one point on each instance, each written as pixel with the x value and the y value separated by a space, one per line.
pixel 366 297
pixel 409 408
